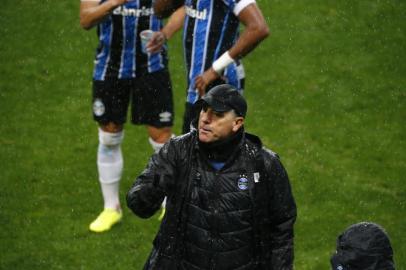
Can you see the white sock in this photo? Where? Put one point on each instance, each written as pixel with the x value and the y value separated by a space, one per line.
pixel 156 145
pixel 110 167
pixel 111 195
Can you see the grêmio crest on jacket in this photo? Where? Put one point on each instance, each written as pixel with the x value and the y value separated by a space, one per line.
pixel 246 180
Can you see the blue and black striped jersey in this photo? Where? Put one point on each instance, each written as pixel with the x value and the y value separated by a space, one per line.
pixel 119 53
pixel 211 28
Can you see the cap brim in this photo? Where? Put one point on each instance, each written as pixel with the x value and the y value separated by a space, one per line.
pixel 215 104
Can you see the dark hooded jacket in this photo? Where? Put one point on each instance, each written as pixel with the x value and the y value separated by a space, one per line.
pixel 363 246
pixel 238 217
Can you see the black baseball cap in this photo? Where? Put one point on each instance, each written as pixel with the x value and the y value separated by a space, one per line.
pixel 224 98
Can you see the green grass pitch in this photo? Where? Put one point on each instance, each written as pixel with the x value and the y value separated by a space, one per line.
pixel 326 91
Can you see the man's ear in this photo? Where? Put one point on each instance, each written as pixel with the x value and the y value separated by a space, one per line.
pixel 238 122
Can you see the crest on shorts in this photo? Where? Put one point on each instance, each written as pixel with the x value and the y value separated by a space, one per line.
pixel 243 183
pixel 165 117
pixel 98 107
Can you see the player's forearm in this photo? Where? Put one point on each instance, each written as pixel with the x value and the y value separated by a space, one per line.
pixel 174 23
pixel 92 13
pixel 249 39
pixel 256 30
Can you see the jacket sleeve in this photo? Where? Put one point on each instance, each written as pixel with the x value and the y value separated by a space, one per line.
pixel 149 189
pixel 282 209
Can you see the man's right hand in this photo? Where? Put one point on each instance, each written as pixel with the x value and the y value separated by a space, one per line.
pixel 156 42
pixel 203 80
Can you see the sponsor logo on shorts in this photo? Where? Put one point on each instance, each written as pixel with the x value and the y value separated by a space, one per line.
pixel 165 117
pixel 98 107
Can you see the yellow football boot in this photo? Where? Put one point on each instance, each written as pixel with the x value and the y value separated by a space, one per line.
pixel 162 214
pixel 106 220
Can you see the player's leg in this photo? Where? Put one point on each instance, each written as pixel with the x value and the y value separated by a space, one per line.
pixel 153 107
pixel 188 115
pixel 158 136
pixel 110 106
pixel 110 163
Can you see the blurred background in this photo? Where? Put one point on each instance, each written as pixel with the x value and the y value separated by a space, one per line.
pixel 326 91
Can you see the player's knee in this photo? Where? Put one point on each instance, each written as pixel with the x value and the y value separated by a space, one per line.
pixel 110 138
pixel 161 135
pixel 111 127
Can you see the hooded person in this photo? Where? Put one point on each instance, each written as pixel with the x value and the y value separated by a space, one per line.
pixel 363 246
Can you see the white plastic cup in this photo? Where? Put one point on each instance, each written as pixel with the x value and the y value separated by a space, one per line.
pixel 145 36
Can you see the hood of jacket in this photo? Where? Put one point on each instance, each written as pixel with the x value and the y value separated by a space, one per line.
pixel 363 246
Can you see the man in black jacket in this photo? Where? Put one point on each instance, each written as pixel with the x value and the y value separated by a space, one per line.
pixel 229 201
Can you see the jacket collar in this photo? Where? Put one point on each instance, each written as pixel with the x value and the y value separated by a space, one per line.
pixel 248 142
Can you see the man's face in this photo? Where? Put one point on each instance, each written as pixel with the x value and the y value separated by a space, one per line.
pixel 214 126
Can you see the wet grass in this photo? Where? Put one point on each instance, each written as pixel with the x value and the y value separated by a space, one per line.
pixel 326 91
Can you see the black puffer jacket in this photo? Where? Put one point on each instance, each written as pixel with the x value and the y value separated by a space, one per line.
pixel 240 217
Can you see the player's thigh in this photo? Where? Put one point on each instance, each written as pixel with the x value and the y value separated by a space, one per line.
pixel 110 100
pixel 152 100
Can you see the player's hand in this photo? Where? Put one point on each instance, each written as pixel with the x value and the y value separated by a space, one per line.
pixel 156 42
pixel 202 81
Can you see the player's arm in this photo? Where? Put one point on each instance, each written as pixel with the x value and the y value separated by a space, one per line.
pixel 173 25
pixel 164 8
pixel 254 32
pixel 91 13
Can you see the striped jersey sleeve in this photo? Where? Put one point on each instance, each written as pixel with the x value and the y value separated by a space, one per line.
pixel 238 5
